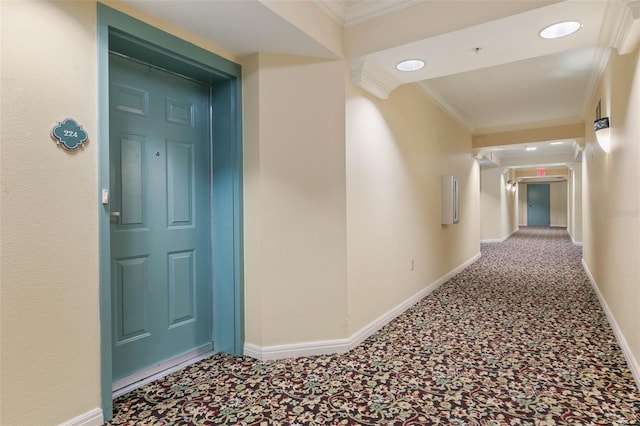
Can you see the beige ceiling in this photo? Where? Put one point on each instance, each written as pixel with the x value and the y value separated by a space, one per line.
pixel 485 63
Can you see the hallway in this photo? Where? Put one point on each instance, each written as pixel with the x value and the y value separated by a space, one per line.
pixel 517 338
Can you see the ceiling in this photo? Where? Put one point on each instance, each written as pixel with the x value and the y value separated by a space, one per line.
pixel 485 63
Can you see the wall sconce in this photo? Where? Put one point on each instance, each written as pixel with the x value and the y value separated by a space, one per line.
pixel 514 186
pixel 602 130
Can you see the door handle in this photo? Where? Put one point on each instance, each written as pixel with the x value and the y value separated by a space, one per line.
pixel 114 217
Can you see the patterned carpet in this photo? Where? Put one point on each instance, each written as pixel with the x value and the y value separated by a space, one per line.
pixel 518 338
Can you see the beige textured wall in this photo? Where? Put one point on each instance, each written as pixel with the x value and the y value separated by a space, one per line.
pixel 611 199
pixel 295 235
pixel 558 203
pixel 575 203
pixel 522 204
pixel 49 246
pixel 316 23
pixel 396 151
pixel 252 199
pixel 497 204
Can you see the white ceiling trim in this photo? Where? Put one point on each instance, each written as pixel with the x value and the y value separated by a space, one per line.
pixel 363 11
pixel 353 13
pixel 620 27
pixel 620 30
pixel 442 102
pixel 336 10
pixel 366 75
pixel 600 60
pixel 612 31
pixel 629 34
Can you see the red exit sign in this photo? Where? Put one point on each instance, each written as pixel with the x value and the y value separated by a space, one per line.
pixel 542 172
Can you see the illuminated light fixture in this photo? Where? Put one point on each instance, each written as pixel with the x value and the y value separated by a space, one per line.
pixel 560 29
pixel 410 65
pixel 603 130
pixel 603 133
pixel 511 185
pixel 531 148
pixel 556 143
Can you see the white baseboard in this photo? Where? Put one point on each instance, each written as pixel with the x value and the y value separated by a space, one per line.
pixel 575 243
pixel 494 240
pixel 500 240
pixel 90 418
pixel 270 353
pixel 361 335
pixel 326 347
pixel 633 364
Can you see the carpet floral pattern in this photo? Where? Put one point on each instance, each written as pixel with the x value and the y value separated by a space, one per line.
pixel 518 338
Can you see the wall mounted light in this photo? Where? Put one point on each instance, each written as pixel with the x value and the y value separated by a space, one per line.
pixel 511 185
pixel 602 129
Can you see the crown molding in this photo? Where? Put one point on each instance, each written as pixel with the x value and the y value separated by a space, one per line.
pixel 336 9
pixel 620 30
pixel 354 13
pixel 437 98
pixel 372 78
pixel 628 35
pixel 612 20
pixel 363 11
pixel 600 60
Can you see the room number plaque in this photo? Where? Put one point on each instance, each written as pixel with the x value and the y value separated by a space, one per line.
pixel 69 134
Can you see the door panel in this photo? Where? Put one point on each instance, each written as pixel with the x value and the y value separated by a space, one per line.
pixel 538 205
pixel 180 183
pixel 160 242
pixel 182 291
pixel 131 299
pixel 131 151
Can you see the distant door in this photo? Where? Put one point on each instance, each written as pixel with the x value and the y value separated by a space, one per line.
pixel 538 205
pixel 160 216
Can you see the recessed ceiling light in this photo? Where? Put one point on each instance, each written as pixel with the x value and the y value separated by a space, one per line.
pixel 410 65
pixel 556 143
pixel 561 29
pixel 531 148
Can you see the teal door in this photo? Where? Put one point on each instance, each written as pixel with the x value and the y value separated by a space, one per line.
pixel 160 208
pixel 538 205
